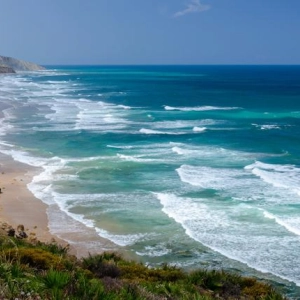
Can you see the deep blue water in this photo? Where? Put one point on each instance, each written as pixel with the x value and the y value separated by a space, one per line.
pixel 191 165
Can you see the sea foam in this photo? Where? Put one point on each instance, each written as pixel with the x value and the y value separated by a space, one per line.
pixel 150 131
pixel 282 176
pixel 200 108
pixel 285 223
pixel 199 129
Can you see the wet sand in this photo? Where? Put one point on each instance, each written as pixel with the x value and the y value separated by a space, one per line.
pixel 19 206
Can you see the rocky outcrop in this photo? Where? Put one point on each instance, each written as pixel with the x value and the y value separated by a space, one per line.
pixel 19 65
pixel 5 70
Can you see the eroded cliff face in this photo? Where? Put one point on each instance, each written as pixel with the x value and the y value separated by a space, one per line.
pixel 18 65
pixel 6 70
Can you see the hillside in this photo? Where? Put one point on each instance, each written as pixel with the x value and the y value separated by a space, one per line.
pixel 9 65
pixel 33 270
pixel 5 69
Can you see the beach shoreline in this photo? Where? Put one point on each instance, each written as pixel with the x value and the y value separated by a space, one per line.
pixel 17 204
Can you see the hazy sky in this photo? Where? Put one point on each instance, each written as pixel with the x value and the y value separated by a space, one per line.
pixel 151 31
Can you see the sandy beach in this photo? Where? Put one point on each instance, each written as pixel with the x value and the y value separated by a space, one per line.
pixel 17 204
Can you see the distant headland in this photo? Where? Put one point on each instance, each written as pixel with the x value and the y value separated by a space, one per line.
pixel 12 65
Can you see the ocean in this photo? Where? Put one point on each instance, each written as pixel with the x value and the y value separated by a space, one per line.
pixel 196 166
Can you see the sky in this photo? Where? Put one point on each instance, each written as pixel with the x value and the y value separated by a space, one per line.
pixel 55 32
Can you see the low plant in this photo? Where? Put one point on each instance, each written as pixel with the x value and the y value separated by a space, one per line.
pixel 46 271
pixel 56 279
pixel 34 257
pixel 103 265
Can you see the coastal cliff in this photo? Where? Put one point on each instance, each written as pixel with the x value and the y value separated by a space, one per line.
pixel 5 69
pixel 10 65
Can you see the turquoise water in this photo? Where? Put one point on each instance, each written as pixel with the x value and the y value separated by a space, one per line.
pixel 191 165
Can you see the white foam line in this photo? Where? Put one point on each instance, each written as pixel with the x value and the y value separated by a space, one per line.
pixel 156 251
pixel 137 158
pixel 185 124
pixel 199 129
pixel 150 131
pixel 281 176
pixel 119 147
pixel 281 222
pixel 121 240
pixel 200 108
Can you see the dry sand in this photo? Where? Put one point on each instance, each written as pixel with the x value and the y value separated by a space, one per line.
pixel 17 204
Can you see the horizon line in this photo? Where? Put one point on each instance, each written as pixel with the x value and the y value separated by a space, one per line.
pixel 276 64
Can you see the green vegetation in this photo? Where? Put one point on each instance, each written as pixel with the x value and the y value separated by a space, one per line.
pixel 46 271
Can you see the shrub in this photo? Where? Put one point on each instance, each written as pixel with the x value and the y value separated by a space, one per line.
pixel 136 271
pixel 36 258
pixel 102 265
pixel 45 271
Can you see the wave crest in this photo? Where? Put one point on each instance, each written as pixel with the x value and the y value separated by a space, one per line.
pixel 200 108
